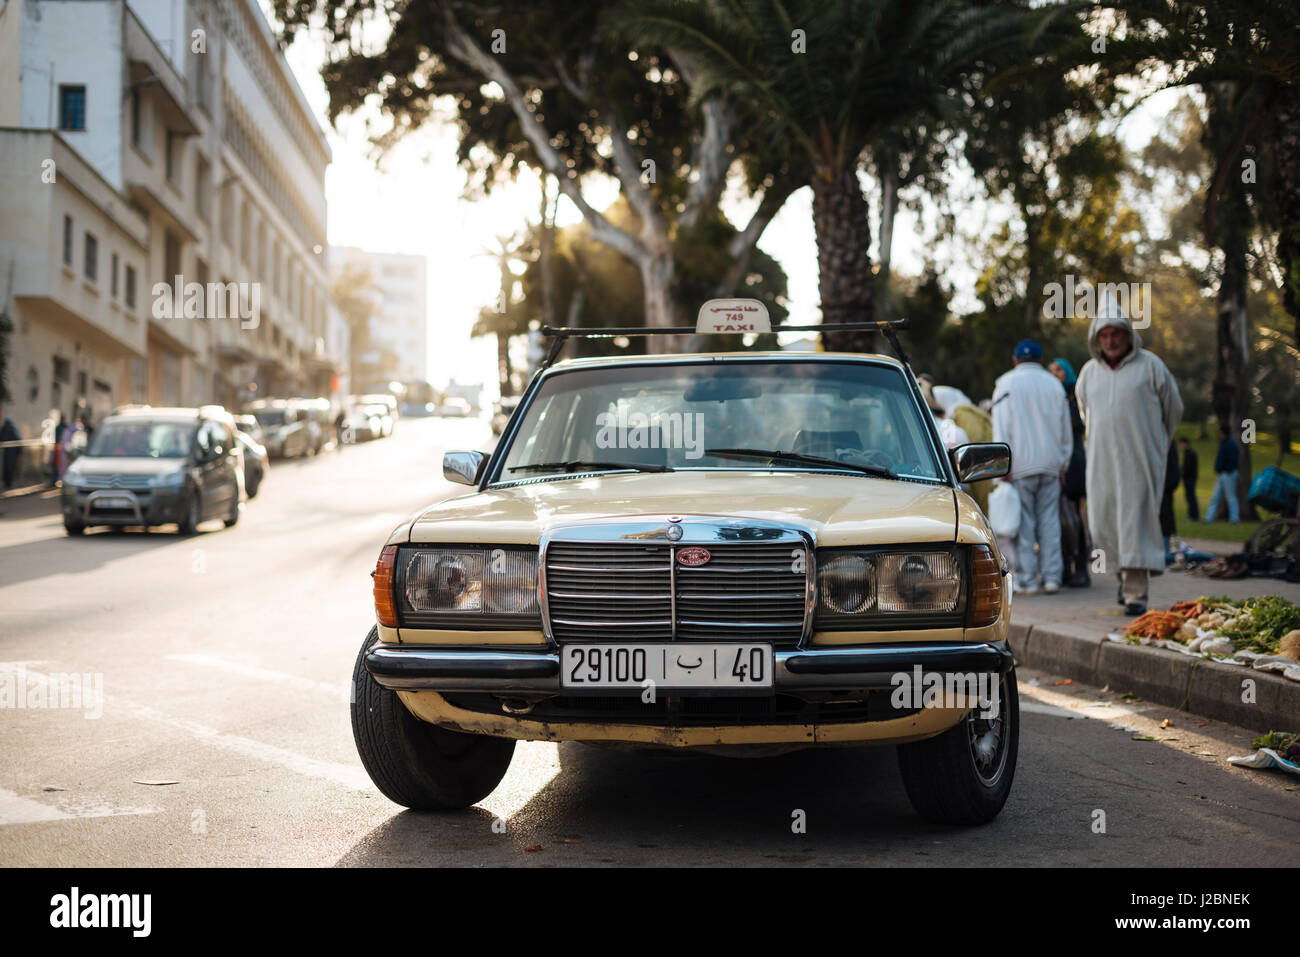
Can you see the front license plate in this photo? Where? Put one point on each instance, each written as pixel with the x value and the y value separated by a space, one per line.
pixel 677 665
pixel 113 501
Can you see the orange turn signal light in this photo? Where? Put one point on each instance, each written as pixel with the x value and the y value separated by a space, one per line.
pixel 385 606
pixel 986 588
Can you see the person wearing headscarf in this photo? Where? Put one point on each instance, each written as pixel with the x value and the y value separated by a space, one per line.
pixel 1130 406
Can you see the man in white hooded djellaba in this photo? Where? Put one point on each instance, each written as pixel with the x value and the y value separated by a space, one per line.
pixel 1130 406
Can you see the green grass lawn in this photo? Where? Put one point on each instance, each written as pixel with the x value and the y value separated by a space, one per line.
pixel 1263 453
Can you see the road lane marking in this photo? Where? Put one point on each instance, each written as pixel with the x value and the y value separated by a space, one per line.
pixel 15 809
pixel 221 663
pixel 349 776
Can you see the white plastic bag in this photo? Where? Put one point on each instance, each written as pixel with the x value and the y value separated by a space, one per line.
pixel 1004 509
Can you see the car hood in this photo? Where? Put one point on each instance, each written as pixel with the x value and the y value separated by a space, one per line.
pixel 836 509
pixel 126 465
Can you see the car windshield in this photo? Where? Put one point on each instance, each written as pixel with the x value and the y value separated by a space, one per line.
pixel 751 415
pixel 269 418
pixel 142 439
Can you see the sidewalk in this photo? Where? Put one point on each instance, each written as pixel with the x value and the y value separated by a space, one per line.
pixel 1064 634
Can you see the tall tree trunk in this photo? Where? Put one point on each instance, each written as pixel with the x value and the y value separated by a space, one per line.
pixel 887 166
pixel 844 279
pixel 546 253
pixel 504 371
pixel 1231 387
pixel 1286 149
pixel 658 270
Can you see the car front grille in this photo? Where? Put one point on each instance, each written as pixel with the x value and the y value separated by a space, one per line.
pixel 116 480
pixel 626 591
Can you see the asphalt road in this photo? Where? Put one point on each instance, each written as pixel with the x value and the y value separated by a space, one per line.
pixel 224 737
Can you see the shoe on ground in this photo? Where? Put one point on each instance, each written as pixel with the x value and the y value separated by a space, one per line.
pixel 1023 590
pixel 1080 580
pixel 1135 608
pixel 1051 588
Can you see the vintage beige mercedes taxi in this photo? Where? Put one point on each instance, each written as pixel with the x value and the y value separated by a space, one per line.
pixel 738 553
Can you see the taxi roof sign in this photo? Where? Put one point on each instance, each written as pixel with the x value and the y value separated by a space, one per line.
pixel 723 316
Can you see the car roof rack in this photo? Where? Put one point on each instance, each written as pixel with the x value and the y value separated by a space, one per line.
pixel 561 334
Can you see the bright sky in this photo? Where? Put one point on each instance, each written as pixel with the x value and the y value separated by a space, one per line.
pixel 412 203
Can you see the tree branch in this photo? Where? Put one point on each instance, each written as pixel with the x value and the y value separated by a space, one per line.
pixel 627 164
pixel 741 247
pixel 462 46
pixel 710 159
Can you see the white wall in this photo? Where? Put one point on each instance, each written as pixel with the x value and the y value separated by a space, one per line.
pixel 76 42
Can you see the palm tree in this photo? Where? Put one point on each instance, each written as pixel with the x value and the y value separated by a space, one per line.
pixel 819 80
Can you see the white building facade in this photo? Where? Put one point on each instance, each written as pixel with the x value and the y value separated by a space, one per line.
pixel 399 284
pixel 181 146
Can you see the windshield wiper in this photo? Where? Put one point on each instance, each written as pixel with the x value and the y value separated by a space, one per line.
pixel 800 457
pixel 579 465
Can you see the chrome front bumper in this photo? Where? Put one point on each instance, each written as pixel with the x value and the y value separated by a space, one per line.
pixel 444 668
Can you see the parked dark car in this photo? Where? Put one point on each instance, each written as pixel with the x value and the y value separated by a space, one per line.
pixel 290 429
pixel 147 466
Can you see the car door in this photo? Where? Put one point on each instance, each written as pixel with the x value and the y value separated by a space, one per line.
pixel 212 454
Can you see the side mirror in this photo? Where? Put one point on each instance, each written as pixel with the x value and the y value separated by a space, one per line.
pixel 463 468
pixel 985 460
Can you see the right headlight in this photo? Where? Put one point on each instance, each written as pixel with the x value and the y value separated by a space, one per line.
pixel 487 584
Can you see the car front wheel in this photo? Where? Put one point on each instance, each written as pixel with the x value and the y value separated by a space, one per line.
pixel 964 775
pixel 189 524
pixel 416 764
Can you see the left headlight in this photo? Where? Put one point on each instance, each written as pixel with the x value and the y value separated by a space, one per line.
pixel 169 479
pixel 872 588
pixel 487 583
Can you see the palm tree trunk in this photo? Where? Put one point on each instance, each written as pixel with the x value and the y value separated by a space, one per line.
pixel 1287 152
pixel 887 165
pixel 844 277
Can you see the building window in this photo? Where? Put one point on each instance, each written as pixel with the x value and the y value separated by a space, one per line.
pixel 112 276
pixel 136 130
pixel 171 257
pixel 173 150
pixel 72 107
pixel 67 240
pixel 92 257
pixel 128 288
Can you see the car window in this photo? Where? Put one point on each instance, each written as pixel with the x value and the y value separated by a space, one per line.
pixel 142 438
pixel 670 414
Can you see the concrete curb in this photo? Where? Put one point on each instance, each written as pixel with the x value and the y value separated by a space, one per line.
pixel 1197 685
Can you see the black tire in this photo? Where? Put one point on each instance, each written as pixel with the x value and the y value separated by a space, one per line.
pixel 74 528
pixel 233 518
pixel 189 523
pixel 415 764
pixel 253 487
pixel 945 782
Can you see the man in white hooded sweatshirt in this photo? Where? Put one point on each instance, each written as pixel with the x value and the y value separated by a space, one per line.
pixel 1032 415
pixel 1130 406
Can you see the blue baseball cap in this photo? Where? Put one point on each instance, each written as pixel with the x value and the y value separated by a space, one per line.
pixel 1028 350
